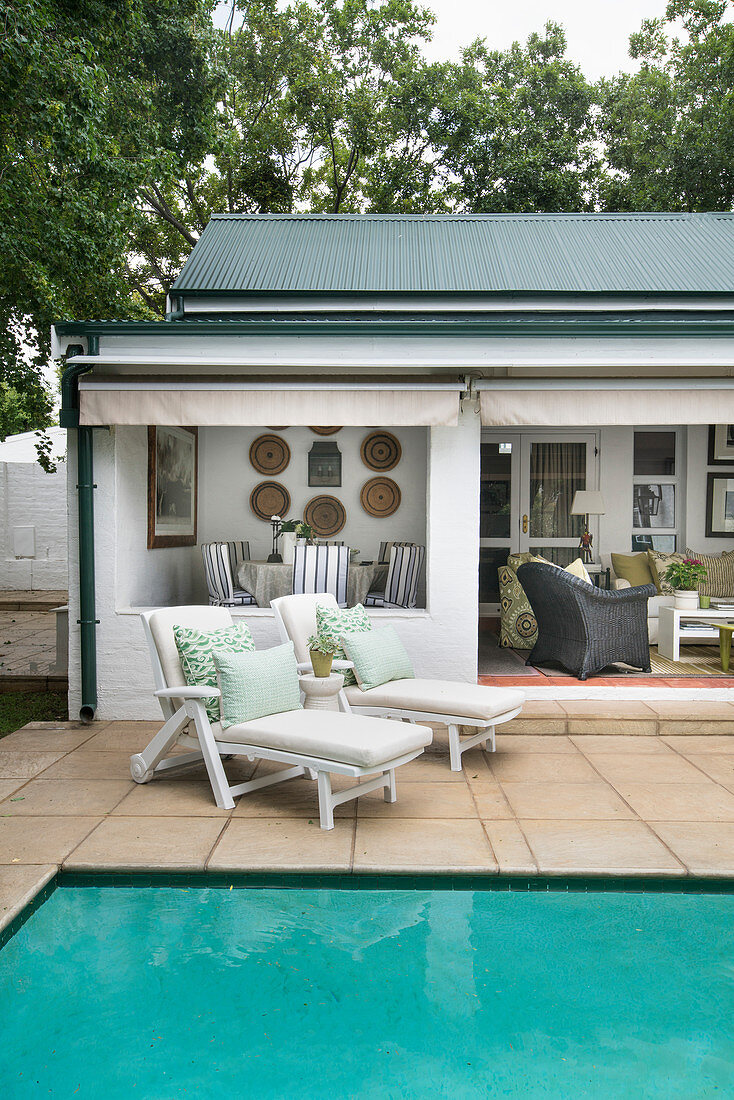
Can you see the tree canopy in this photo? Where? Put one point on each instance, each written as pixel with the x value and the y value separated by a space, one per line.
pixel 126 123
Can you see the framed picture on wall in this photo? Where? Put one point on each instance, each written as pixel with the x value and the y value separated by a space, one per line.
pixel 721 445
pixel 720 506
pixel 173 460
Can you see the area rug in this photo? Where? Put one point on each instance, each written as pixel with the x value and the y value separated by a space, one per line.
pixel 695 660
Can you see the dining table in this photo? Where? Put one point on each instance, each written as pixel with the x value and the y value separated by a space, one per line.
pixel 266 580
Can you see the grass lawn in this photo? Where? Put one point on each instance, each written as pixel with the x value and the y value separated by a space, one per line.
pixel 17 708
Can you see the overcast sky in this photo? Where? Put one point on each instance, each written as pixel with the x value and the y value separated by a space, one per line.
pixel 597 30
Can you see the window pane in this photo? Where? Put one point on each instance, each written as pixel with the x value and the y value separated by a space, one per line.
pixel 664 543
pixel 495 491
pixel 653 506
pixel 654 453
pixel 557 471
pixel 490 558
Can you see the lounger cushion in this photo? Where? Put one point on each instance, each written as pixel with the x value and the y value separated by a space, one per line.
pixel 328 735
pixel 465 701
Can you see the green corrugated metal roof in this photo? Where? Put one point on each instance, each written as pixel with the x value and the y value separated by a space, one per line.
pixel 490 253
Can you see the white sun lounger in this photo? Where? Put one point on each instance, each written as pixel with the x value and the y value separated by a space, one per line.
pixel 314 743
pixel 448 701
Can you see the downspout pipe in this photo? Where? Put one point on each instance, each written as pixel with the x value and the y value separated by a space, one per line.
pixel 178 313
pixel 87 620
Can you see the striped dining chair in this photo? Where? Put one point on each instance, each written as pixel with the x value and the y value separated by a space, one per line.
pixel 221 563
pixel 403 574
pixel 385 548
pixel 321 569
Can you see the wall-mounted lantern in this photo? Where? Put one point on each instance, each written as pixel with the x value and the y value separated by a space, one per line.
pixel 324 464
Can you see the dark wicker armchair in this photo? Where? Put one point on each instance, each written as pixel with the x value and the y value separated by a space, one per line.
pixel 584 628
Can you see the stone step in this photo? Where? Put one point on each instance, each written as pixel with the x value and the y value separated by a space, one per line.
pixel 652 718
pixel 32 601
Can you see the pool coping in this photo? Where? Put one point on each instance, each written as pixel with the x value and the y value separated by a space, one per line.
pixel 264 880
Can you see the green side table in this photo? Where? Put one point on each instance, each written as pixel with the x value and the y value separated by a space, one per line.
pixel 725 632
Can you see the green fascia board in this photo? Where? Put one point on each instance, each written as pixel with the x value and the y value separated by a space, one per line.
pixel 612 325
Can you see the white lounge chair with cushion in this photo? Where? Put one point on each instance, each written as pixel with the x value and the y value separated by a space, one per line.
pixel 313 743
pixel 450 702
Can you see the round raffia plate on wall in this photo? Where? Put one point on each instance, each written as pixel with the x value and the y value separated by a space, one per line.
pixel 380 497
pixel 325 431
pixel 270 499
pixel 381 451
pixel 269 454
pixel 326 515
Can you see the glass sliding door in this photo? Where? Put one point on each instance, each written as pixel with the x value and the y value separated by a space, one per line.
pixel 499 502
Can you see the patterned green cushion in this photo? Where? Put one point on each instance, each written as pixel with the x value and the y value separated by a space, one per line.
pixel 333 622
pixel 257 684
pixel 518 627
pixel 378 656
pixel 196 648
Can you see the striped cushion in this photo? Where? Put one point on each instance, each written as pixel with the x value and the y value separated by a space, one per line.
pixel 321 569
pixel 720 569
pixel 403 575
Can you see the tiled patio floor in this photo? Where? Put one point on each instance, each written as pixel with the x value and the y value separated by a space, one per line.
pixel 656 798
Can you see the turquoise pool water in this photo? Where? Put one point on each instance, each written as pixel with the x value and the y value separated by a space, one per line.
pixel 313 993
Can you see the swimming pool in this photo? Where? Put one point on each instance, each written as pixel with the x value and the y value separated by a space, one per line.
pixel 391 993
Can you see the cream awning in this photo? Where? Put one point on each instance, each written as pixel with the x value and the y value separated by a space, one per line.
pixel 552 403
pixel 213 404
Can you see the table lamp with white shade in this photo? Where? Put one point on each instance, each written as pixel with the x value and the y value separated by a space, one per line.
pixel 587 502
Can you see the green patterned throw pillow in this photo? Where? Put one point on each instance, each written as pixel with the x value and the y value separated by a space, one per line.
pixel 333 622
pixel 378 656
pixel 196 649
pixel 257 684
pixel 518 625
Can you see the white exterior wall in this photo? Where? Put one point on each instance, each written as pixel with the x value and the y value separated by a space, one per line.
pixel 29 497
pixel 440 501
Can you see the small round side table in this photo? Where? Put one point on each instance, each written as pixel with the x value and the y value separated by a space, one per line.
pixel 321 691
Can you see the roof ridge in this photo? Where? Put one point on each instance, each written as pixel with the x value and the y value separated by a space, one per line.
pixel 590 215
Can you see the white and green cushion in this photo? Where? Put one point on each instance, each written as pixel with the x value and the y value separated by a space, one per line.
pixel 378 656
pixel 254 685
pixel 196 653
pixel 333 622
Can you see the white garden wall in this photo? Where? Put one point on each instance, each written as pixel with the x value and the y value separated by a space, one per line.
pixel 31 498
pixel 439 479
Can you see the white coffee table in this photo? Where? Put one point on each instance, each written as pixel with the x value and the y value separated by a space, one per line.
pixel 676 627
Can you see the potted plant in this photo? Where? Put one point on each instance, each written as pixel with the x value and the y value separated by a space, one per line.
pixel 304 530
pixel 322 652
pixel 685 577
pixel 288 539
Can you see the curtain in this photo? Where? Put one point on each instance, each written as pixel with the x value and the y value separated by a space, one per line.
pixel 557 471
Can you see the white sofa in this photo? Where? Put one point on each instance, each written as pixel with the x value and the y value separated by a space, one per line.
pixel 654 603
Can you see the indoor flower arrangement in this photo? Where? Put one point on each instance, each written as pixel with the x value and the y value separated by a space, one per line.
pixel 322 652
pixel 685 577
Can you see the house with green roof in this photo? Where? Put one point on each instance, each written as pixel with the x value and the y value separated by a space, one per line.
pixel 451 382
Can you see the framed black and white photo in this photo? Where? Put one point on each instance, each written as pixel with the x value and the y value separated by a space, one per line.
pixel 721 445
pixel 720 506
pixel 172 486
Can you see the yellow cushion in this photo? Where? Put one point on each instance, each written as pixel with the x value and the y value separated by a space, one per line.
pixel 578 569
pixel 634 568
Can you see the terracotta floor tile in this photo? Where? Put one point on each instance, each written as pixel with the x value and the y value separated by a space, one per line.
pixel 705 847
pixel 591 744
pixel 508 742
pixel 638 767
pixel 510 848
pixel 283 844
pixel 717 766
pixel 66 797
pixel 596 847
pixel 566 801
pixel 148 843
pixel 41 839
pixel 407 846
pixel 44 740
pixel 19 885
pixel 538 766
pixel 24 764
pixel 700 801
pixel 421 800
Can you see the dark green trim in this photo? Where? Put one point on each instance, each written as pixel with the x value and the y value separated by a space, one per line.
pixel 537 325
pixel 478 295
pixel 35 903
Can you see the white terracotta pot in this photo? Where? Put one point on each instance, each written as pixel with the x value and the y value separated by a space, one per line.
pixel 685 600
pixel 287 542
